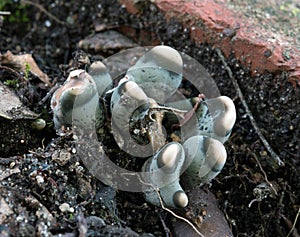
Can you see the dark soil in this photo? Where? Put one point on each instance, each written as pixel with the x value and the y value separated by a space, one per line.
pixel 101 211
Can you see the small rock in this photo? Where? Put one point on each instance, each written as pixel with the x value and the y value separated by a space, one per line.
pixel 38 124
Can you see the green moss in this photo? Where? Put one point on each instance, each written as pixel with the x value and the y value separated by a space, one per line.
pixel 11 83
pixel 17 10
pixel 27 70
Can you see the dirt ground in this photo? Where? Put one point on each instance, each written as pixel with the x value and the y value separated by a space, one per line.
pixel 41 197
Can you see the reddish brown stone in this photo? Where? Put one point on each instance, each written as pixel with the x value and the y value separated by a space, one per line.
pixel 210 22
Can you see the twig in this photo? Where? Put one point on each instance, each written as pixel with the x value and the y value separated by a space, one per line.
pixel 42 9
pixel 158 108
pixel 264 173
pixel 163 206
pixel 48 95
pixel 13 71
pixel 294 224
pixel 174 214
pixel 4 13
pixel 252 120
pixel 253 201
pixel 167 230
pixel 37 154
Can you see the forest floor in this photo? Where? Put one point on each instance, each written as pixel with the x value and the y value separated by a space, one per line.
pixel 42 196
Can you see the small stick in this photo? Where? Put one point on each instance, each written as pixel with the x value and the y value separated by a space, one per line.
pixel 252 120
pixel 175 215
pixel 294 224
pixel 163 206
pixel 42 9
pixel 167 230
pixel 13 71
pixel 4 13
pixel 264 173
pixel 49 94
pixel 189 114
pixel 159 109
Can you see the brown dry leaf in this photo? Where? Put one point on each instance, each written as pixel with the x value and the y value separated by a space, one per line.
pixel 20 62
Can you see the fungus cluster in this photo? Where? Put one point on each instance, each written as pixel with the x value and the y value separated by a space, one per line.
pixel 181 137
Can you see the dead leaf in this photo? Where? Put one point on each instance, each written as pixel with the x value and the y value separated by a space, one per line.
pixel 21 62
pixel 11 107
pixel 6 172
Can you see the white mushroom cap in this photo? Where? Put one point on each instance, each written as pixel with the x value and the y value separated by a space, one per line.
pixel 158 72
pixel 165 166
pixel 215 158
pixel 130 90
pixel 180 199
pixel 79 88
pixel 168 158
pixel 216 117
pixel 204 160
pixel 76 83
pixel 163 171
pixel 134 91
pixel 161 56
pixel 224 122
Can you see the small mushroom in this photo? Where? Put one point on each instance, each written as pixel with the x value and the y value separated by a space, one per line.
pixel 205 158
pixel 208 117
pixel 101 77
pixel 216 117
pixel 129 104
pixel 162 171
pixel 128 94
pixel 158 72
pixel 76 99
